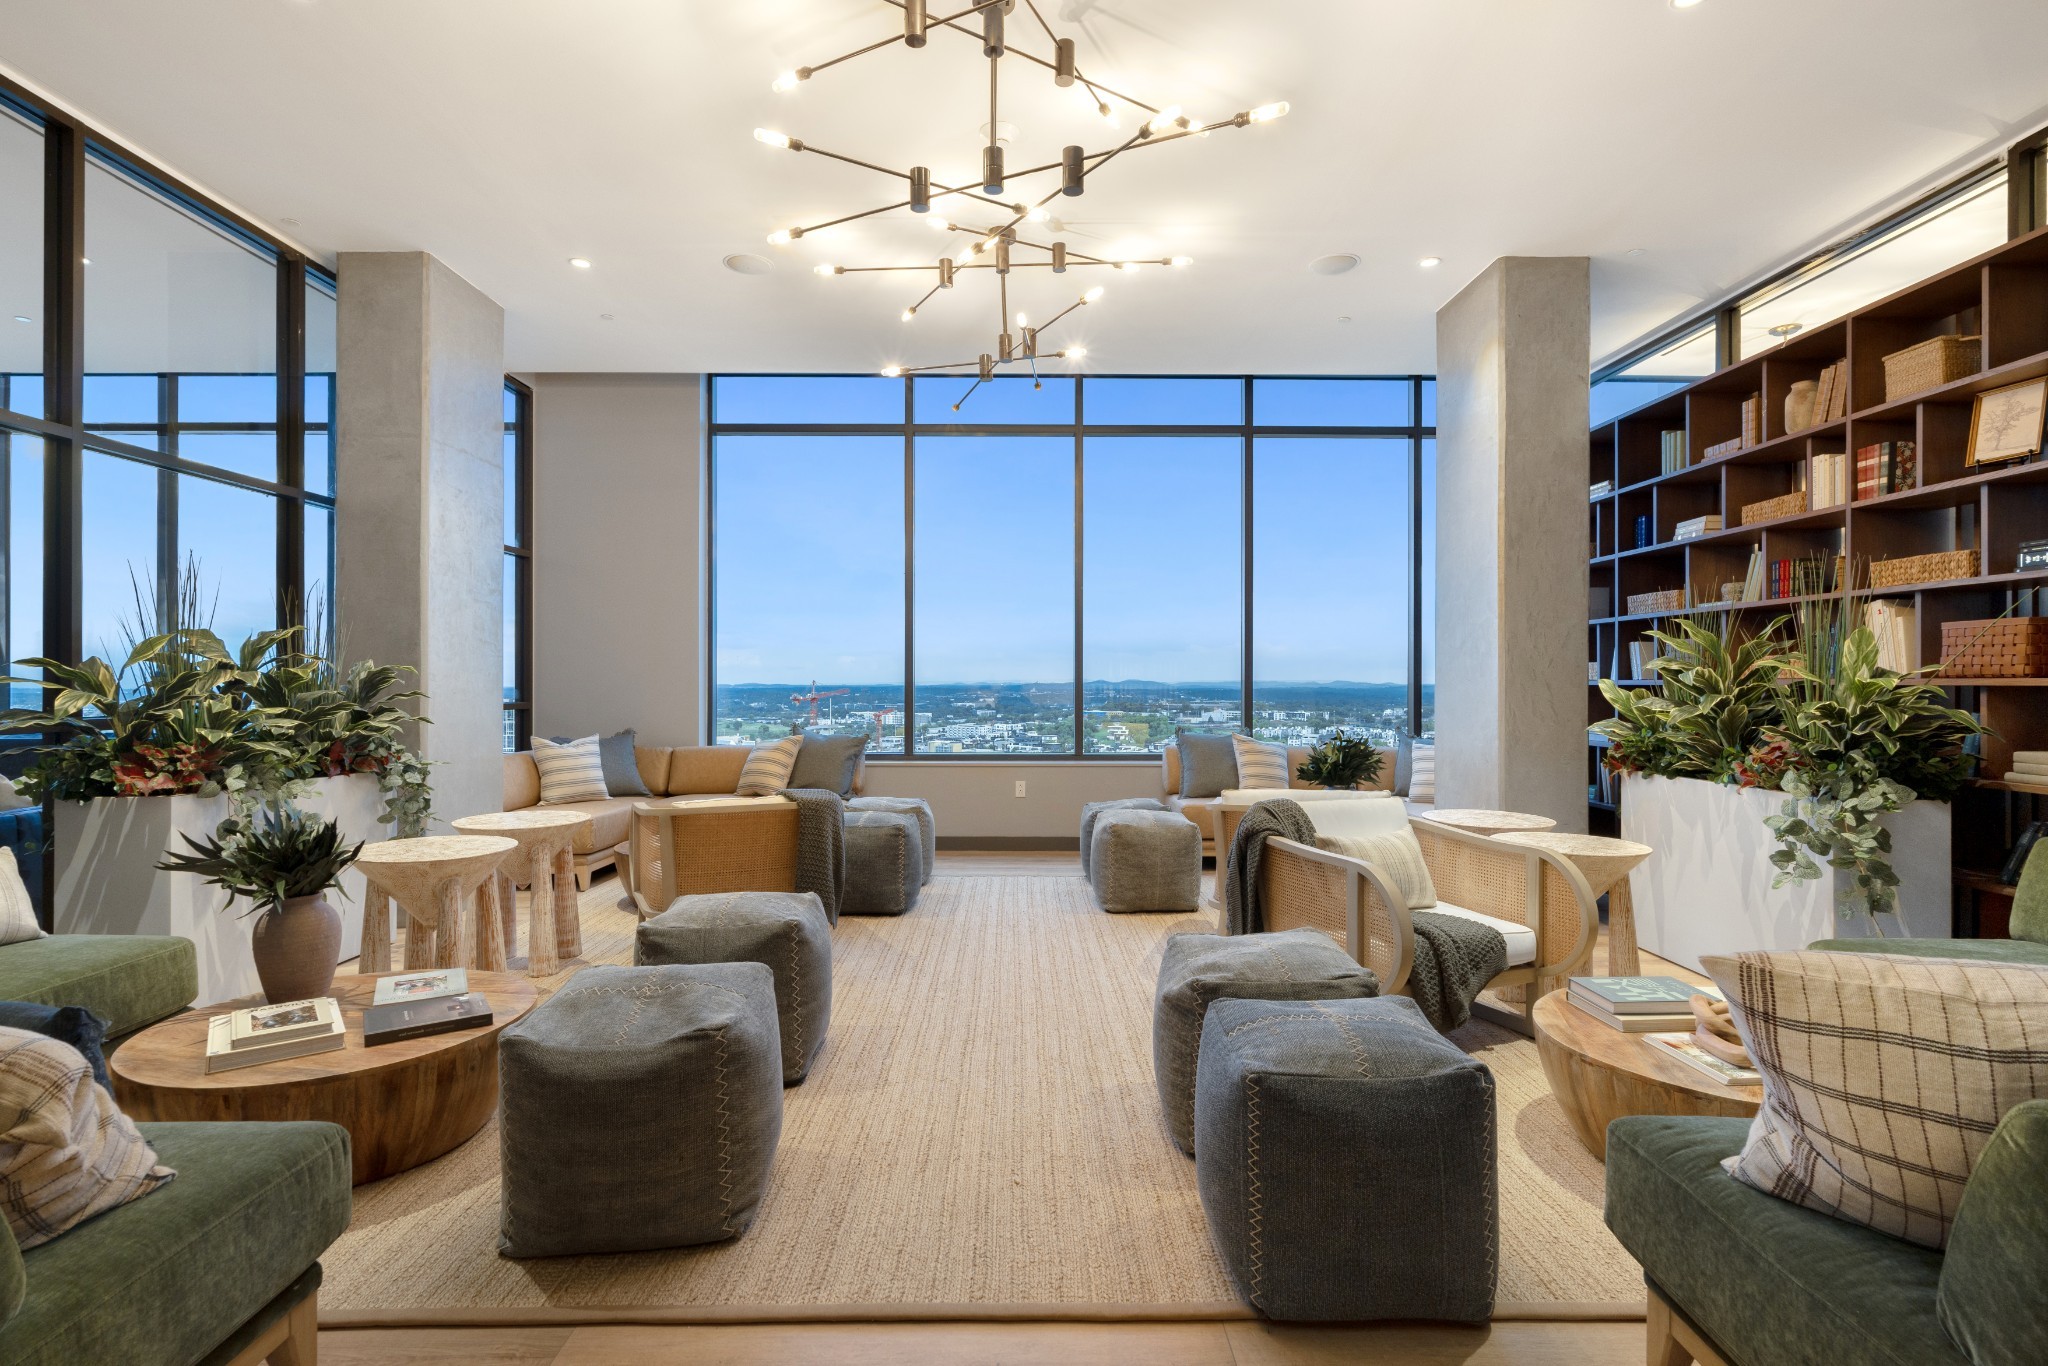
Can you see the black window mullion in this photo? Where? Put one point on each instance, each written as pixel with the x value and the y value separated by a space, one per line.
pixel 1415 563
pixel 1080 569
pixel 63 389
pixel 1245 557
pixel 291 438
pixel 909 571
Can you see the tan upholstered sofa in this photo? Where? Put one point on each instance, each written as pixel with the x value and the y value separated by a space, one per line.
pixel 684 771
pixel 1202 810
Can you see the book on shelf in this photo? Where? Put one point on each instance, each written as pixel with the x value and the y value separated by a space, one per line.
pixel 223 1056
pixel 286 1021
pixel 1753 578
pixel 1886 467
pixel 1629 1024
pixel 2026 778
pixel 1826 485
pixel 404 1020
pixel 1721 448
pixel 1693 527
pixel 1673 449
pixel 1895 623
pixel 1683 1048
pixel 1642 995
pixel 1646 535
pixel 1823 396
pixel 1753 420
pixel 1600 490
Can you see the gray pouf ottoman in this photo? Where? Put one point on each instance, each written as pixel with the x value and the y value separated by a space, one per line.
pixel 1092 812
pixel 884 863
pixel 1345 1155
pixel 787 931
pixel 1197 969
pixel 1145 861
pixel 639 1108
pixel 918 809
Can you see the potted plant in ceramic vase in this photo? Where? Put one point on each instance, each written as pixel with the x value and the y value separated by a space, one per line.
pixel 1793 789
pixel 281 862
pixel 1342 761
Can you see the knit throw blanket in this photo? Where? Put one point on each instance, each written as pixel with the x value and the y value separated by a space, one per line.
pixel 1242 912
pixel 1454 958
pixel 820 845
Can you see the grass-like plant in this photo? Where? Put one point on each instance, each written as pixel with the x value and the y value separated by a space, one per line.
pixel 282 854
pixel 1341 761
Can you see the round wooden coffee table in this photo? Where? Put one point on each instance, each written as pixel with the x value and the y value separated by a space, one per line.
pixel 1599 1073
pixel 402 1103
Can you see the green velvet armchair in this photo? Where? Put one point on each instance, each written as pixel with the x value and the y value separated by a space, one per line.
pixel 2029 942
pixel 1740 1278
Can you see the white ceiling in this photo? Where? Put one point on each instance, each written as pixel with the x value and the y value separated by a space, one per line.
pixel 507 136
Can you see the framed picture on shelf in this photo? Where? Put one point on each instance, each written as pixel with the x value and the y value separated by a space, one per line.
pixel 2005 424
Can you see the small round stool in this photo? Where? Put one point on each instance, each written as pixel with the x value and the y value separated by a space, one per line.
pixel 1480 822
pixel 1606 864
pixel 444 884
pixel 543 861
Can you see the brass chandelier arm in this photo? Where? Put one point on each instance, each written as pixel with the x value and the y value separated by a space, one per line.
pixel 950 21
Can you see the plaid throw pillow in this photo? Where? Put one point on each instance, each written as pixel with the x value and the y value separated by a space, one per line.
pixel 1883 1077
pixel 67 1152
pixel 1259 764
pixel 572 772
pixel 768 768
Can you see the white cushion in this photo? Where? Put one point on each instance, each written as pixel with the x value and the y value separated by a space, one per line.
pixel 1246 796
pixel 17 911
pixel 1362 816
pixel 1521 939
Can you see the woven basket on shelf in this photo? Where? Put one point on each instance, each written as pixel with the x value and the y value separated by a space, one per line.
pixel 1938 360
pixel 1946 564
pixel 2002 647
pixel 1771 508
pixel 1668 600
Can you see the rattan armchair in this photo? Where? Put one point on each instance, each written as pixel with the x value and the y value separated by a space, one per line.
pixel 732 844
pixel 1349 900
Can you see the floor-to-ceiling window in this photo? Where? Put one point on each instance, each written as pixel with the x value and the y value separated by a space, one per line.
pixel 1071 569
pixel 518 595
pixel 166 405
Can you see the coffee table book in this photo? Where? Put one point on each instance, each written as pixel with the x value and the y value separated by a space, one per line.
pixel 223 1056
pixel 417 1019
pixel 1685 1050
pixel 421 986
pixel 1642 995
pixel 1628 1024
pixel 260 1026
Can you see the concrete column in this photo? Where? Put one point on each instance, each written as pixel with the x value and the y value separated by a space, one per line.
pixel 1512 365
pixel 419 555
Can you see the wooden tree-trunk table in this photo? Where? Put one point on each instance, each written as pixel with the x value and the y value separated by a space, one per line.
pixel 402 1103
pixel 1599 1073
pixel 1477 821
pixel 444 884
pixel 544 862
pixel 1606 864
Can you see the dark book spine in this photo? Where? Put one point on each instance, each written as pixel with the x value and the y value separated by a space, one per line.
pixel 425 1028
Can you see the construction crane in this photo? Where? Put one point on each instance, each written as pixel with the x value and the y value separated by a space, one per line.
pixel 813 695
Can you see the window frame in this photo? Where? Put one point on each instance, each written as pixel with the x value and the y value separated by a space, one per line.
pixel 520 428
pixel 910 430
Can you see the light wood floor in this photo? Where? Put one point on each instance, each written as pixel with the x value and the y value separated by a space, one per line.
pixel 998 1344
pixel 987 1344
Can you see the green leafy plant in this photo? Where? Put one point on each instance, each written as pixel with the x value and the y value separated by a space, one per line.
pixel 1341 761
pixel 284 853
pixel 1718 693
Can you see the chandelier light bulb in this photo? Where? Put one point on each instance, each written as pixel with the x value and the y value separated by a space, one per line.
pixel 939 225
pixel 1266 113
pixel 781 237
pixel 1074 353
pixel 892 371
pixel 1163 120
pixel 1108 115
pixel 825 270
pixel 785 82
pixel 1128 267
pixel 909 313
pixel 1092 295
pixel 1181 261
pixel 1039 214
pixel 1020 320
pixel 770 138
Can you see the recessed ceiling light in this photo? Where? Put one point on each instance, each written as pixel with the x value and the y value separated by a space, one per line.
pixel 18 318
pixel 1332 265
pixel 1430 262
pixel 745 263
pixel 1345 319
pixel 579 263
pixel 1683 4
pixel 289 222
pixel 1635 251
pixel 605 317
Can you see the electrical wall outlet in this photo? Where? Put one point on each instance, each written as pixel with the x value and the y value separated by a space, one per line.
pixel 1020 787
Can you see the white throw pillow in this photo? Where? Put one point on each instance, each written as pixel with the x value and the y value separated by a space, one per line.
pixel 1398 858
pixel 1357 814
pixel 768 768
pixel 1259 764
pixel 570 773
pixel 67 1152
pixel 10 799
pixel 17 911
pixel 1422 774
pixel 1884 1076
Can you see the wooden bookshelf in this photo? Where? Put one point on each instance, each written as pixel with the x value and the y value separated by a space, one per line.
pixel 2001 296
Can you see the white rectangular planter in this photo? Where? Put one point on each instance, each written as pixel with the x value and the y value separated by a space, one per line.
pixel 108 881
pixel 1707 888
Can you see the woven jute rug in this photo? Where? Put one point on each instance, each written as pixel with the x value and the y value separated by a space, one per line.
pixel 979 1138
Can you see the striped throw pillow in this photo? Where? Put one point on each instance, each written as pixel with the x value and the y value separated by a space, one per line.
pixel 1422 774
pixel 768 768
pixel 67 1152
pixel 1883 1077
pixel 1259 764
pixel 17 911
pixel 1397 855
pixel 570 773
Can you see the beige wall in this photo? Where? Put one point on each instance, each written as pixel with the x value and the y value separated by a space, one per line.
pixel 979 800
pixel 618 585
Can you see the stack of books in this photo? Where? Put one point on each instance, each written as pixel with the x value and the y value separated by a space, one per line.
pixel 414 1005
pixel 1637 1005
pixel 2029 768
pixel 1895 622
pixel 1827 485
pixel 1831 403
pixel 1886 467
pixel 272 1033
pixel 1601 489
pixel 1694 527
pixel 1686 1049
pixel 1753 420
pixel 1674 451
pixel 1721 448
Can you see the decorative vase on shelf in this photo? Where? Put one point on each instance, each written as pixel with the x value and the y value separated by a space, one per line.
pixel 1799 405
pixel 296 948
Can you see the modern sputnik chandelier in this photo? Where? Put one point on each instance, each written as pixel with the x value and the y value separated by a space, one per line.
pixel 1001 248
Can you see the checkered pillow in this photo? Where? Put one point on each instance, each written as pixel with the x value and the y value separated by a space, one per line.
pixel 1884 1076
